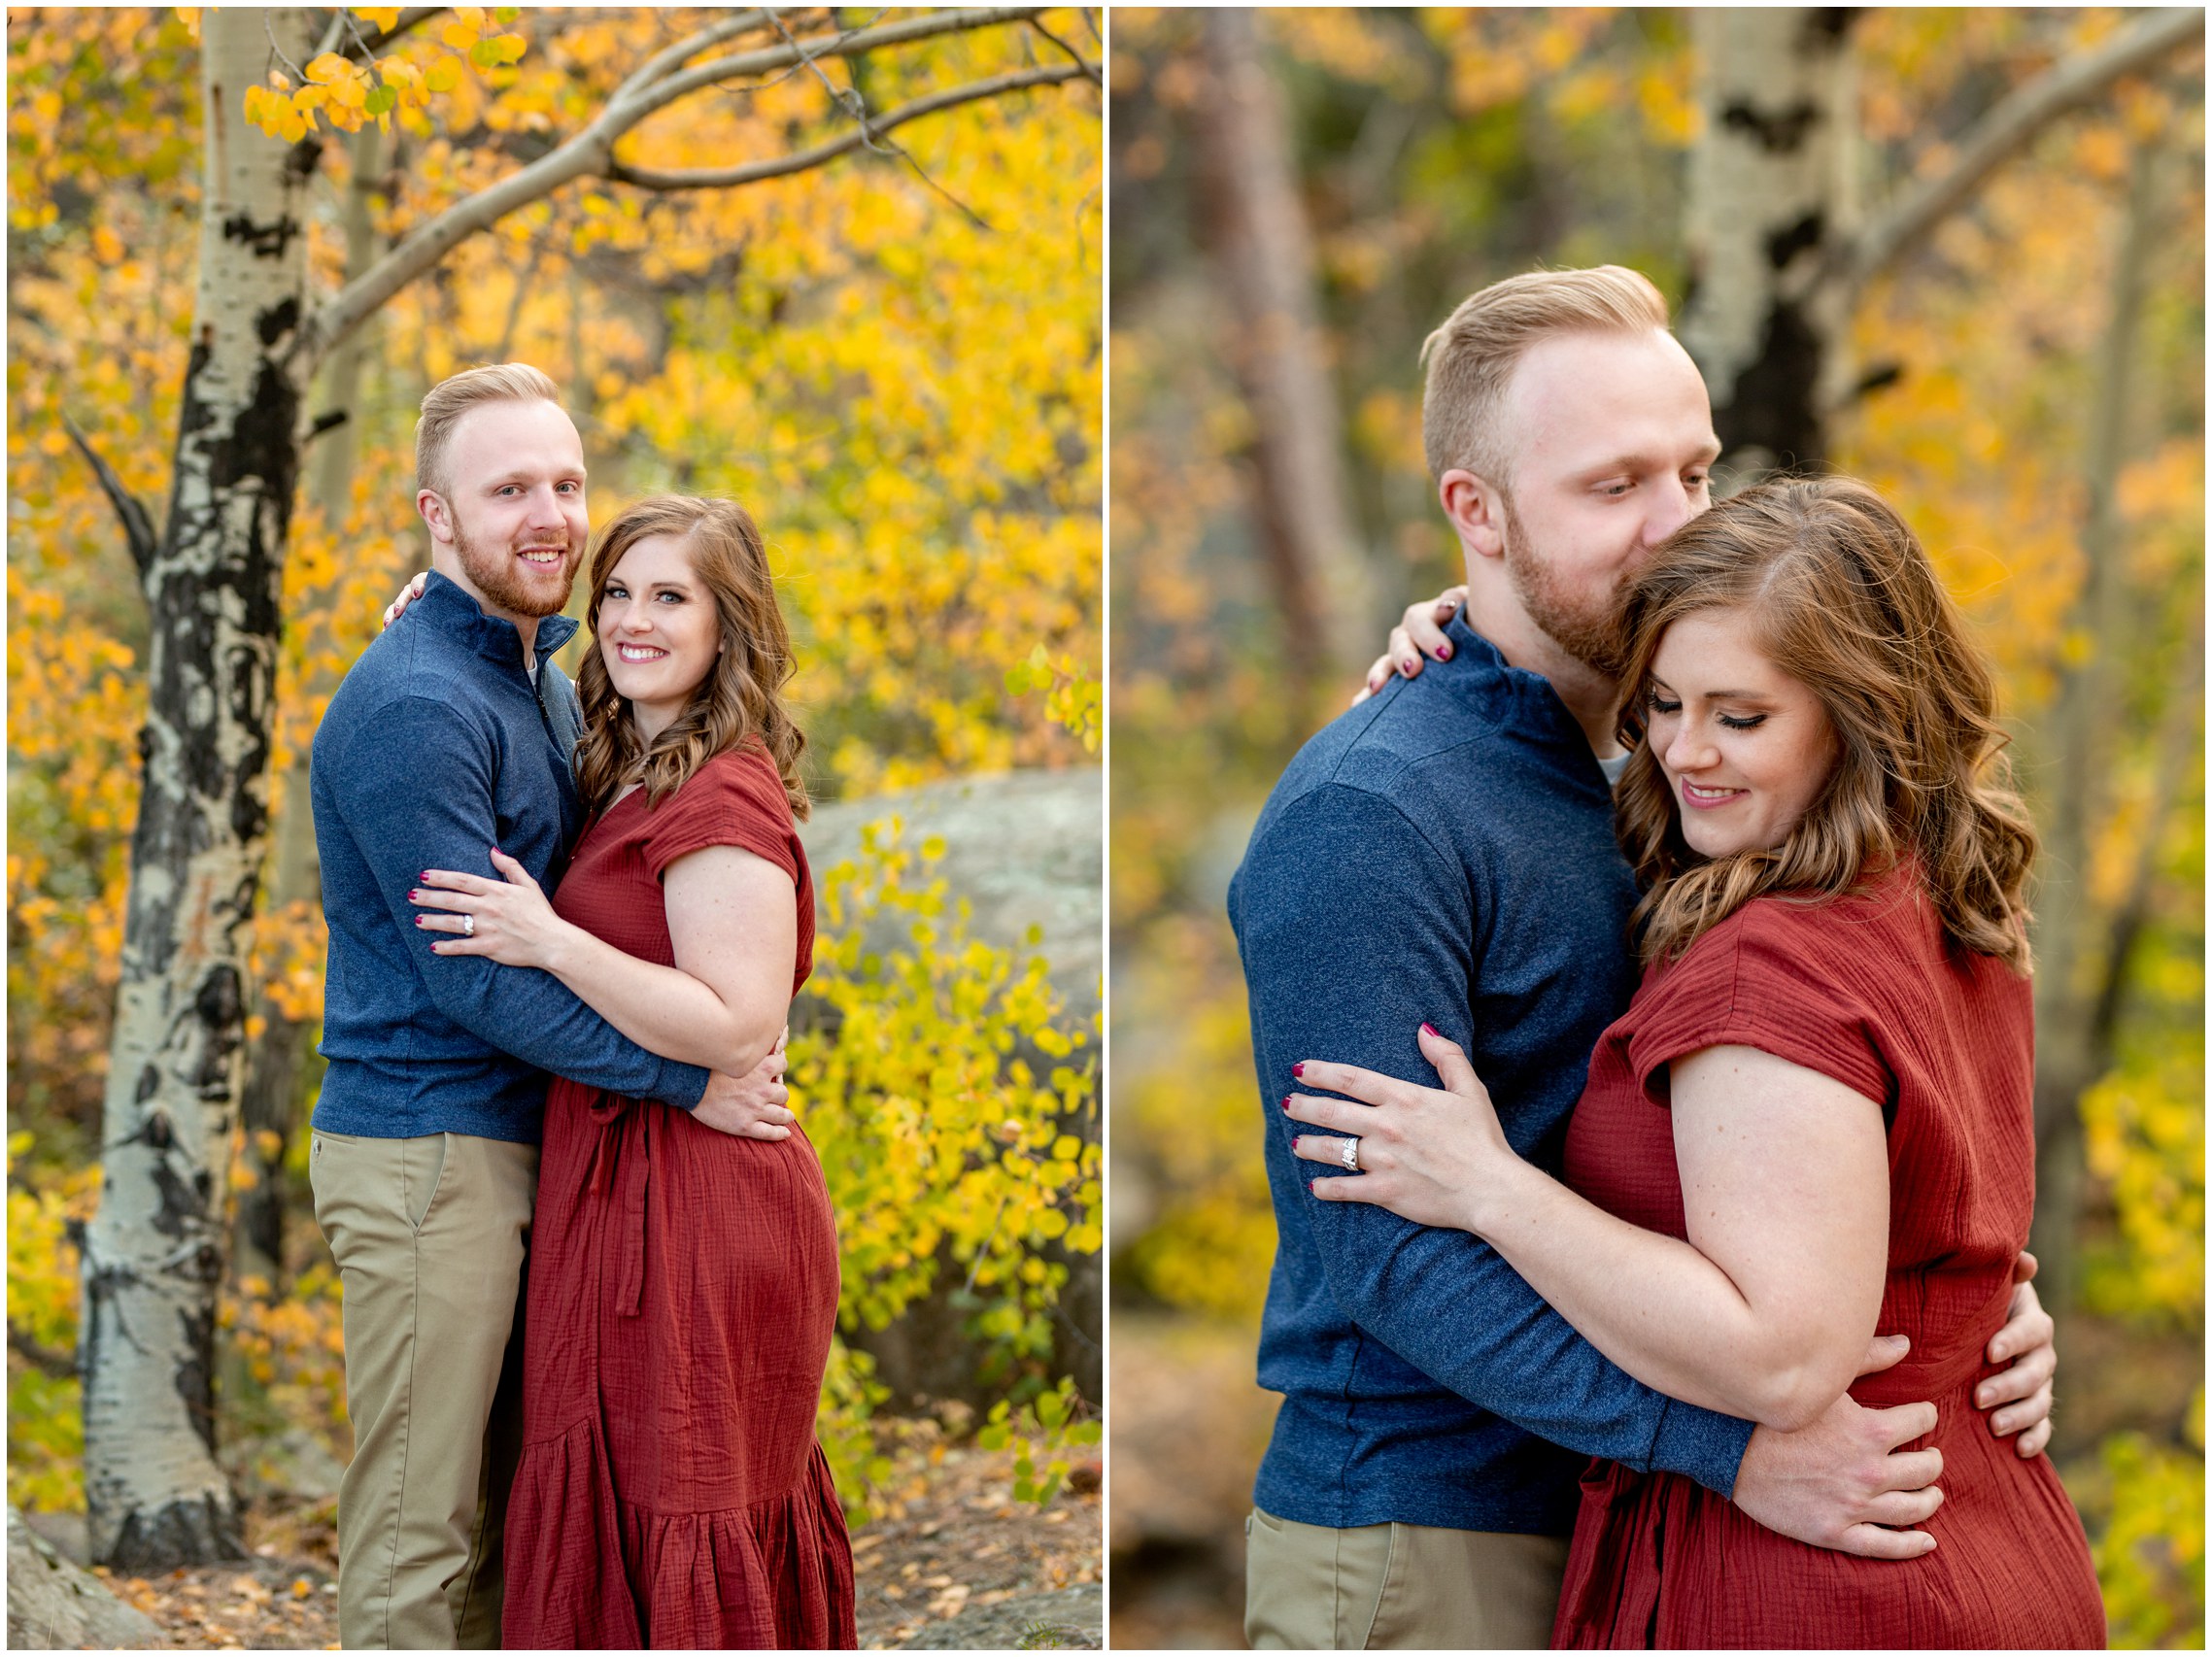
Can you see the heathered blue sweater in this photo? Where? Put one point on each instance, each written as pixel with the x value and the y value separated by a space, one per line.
pixel 1443 852
pixel 435 748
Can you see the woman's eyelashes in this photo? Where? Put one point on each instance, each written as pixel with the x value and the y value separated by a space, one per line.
pixel 1659 704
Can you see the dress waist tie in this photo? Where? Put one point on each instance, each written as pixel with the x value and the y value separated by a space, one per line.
pixel 622 1157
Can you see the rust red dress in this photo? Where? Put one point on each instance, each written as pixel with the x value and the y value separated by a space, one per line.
pixel 1865 991
pixel 682 1289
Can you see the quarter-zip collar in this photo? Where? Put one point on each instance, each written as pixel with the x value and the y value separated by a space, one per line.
pixel 446 605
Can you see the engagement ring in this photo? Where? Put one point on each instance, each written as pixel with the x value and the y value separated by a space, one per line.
pixel 469 925
pixel 1351 1154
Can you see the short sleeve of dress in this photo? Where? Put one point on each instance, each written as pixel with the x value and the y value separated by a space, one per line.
pixel 735 799
pixel 1770 977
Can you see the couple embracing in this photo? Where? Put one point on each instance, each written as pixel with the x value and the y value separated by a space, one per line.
pixel 1687 864
pixel 614 1447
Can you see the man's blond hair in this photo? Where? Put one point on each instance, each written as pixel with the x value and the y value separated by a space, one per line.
pixel 455 396
pixel 1472 357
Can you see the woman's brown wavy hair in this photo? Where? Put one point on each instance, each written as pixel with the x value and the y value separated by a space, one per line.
pixel 1844 601
pixel 739 701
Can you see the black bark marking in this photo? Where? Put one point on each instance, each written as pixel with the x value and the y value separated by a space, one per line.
pixel 1784 244
pixel 149 1084
pixel 220 1008
pixel 181 1211
pixel 156 1135
pixel 1880 378
pixel 266 241
pixel 183 1533
pixel 1826 25
pixel 1780 133
pixel 277 320
pixel 1773 403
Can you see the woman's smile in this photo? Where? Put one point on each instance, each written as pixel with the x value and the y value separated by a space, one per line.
pixel 1746 748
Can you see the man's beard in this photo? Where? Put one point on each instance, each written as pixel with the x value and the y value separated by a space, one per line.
pixel 509 589
pixel 1589 633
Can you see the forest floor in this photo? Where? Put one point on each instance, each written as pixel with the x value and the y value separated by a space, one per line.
pixel 951 1538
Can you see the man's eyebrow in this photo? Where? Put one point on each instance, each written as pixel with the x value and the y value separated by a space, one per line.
pixel 1707 453
pixel 523 474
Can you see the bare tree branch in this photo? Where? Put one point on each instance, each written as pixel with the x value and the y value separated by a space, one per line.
pixel 671 58
pixel 714 178
pixel 2009 128
pixel 589 154
pixel 414 17
pixel 58 1365
pixel 137 522
pixel 1089 68
pixel 767 59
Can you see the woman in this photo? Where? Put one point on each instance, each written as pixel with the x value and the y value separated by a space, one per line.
pixel 1814 1118
pixel 683 1284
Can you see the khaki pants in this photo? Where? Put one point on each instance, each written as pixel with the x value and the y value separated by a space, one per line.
pixel 430 1235
pixel 1397 1587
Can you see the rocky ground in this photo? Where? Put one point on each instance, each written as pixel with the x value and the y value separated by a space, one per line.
pixel 954 1562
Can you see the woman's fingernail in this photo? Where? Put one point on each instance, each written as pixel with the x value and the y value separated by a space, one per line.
pixel 421 919
pixel 1310 1184
pixel 1299 1068
pixel 1286 1101
pixel 1443 653
pixel 1411 664
pixel 1430 1028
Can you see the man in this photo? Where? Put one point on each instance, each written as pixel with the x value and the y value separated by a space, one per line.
pixel 450 736
pixel 1446 853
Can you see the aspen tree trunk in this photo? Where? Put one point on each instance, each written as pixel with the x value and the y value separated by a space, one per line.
pixel 153 1254
pixel 1770 196
pixel 276 1061
pixel 1263 252
pixel 2077 968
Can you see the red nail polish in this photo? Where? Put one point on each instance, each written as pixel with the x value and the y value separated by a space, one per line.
pixel 1310 1187
pixel 1443 653
pixel 1299 1068
pixel 1431 1029
pixel 1286 1101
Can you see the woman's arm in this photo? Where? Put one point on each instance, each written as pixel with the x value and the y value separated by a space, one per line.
pixel 1764 1313
pixel 733 919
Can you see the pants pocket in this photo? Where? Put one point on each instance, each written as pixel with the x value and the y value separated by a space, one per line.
pixel 422 1186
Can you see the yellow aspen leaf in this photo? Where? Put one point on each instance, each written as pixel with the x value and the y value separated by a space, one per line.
pixel 352 91
pixel 383 16
pixel 442 76
pixel 460 36
pixel 329 68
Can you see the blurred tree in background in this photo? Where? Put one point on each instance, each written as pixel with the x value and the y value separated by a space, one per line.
pixel 1967 266
pixel 842 269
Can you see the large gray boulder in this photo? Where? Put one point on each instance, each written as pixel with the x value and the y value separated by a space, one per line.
pixel 52 1606
pixel 1023 847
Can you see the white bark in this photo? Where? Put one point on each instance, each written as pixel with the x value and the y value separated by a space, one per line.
pixel 153 1254
pixel 1768 191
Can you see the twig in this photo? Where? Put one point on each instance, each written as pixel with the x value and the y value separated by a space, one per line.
pixel 277 52
pixel 1089 68
pixel 710 177
pixel 137 521
pixel 45 1359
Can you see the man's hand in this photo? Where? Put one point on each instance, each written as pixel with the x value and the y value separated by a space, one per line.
pixel 1420 633
pixel 2025 1389
pixel 750 1106
pixel 1842 1481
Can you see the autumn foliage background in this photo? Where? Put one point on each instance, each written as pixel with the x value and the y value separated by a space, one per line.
pixel 1436 150
pixel 893 360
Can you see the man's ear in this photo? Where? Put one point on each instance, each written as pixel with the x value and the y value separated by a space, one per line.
pixel 1477 510
pixel 436 514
